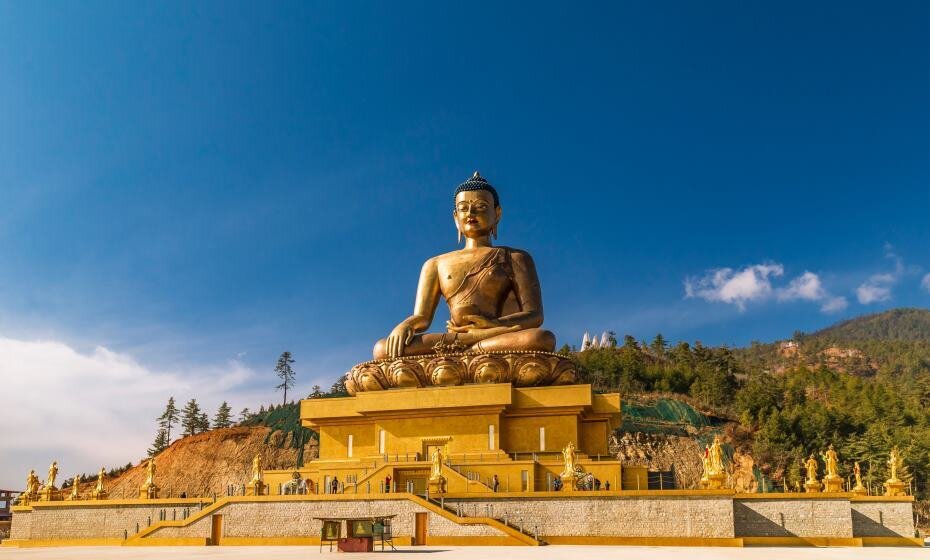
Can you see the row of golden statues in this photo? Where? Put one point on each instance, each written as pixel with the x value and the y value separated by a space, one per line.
pixel 833 482
pixel 715 476
pixel 37 491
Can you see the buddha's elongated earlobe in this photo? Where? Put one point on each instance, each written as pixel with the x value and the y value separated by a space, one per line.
pixel 460 236
pixel 494 232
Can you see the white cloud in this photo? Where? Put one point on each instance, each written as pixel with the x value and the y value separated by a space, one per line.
pixel 94 409
pixel 808 287
pixel 925 283
pixel 834 304
pixel 876 288
pixel 735 287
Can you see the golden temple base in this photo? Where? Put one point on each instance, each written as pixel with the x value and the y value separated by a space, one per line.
pixel 812 486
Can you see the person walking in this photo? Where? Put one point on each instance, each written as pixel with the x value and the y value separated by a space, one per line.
pixel 496 483
pixel 387 483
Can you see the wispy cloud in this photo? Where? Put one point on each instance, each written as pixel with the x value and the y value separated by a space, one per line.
pixel 925 283
pixel 95 408
pixel 879 286
pixel 737 287
pixel 755 283
pixel 876 288
pixel 808 287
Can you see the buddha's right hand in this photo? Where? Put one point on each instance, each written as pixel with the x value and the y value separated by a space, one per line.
pixel 398 339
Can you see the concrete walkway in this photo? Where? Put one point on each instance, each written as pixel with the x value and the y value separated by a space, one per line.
pixel 465 553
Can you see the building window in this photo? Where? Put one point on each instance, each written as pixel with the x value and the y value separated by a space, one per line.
pixel 350 445
pixel 381 448
pixel 491 437
pixel 542 438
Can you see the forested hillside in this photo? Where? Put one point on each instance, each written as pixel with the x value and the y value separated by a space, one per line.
pixel 862 385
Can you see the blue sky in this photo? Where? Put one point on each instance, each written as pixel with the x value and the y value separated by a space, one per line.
pixel 194 188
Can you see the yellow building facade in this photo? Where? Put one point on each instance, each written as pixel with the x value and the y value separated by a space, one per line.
pixel 484 430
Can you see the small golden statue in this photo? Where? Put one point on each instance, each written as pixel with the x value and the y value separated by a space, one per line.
pixel 256 486
pixel 149 490
pixel 495 332
pixel 811 484
pixel 858 488
pixel 49 492
pixel 894 486
pixel 570 468
pixel 832 481
pixel 568 459
pixel 714 468
pixel 31 492
pixel 437 482
pixel 99 492
pixel 75 489
pixel 52 475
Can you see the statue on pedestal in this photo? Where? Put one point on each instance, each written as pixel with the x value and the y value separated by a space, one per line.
pixel 494 334
pixel 149 490
pixel 99 492
pixel 832 481
pixel 570 468
pixel 894 486
pixel 858 488
pixel 49 492
pixel 714 468
pixel 256 486
pixel 75 488
pixel 437 482
pixel 31 491
pixel 811 484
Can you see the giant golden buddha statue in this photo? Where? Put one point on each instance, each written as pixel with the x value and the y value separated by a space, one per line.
pixel 495 306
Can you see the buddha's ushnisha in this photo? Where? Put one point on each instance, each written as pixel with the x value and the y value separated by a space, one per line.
pixel 493 292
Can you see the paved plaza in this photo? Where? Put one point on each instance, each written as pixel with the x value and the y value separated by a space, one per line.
pixel 466 553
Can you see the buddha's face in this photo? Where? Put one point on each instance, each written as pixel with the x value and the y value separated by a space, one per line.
pixel 475 214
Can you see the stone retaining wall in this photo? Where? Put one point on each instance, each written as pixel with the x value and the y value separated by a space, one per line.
pixel 786 517
pixel 89 520
pixel 296 519
pixel 709 516
pixel 654 514
pixel 883 519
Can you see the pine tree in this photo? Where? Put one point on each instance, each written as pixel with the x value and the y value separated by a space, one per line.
pixel 244 415
pixel 315 393
pixel 190 417
pixel 203 423
pixel 160 443
pixel 285 372
pixel 338 388
pixel 223 418
pixel 168 419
